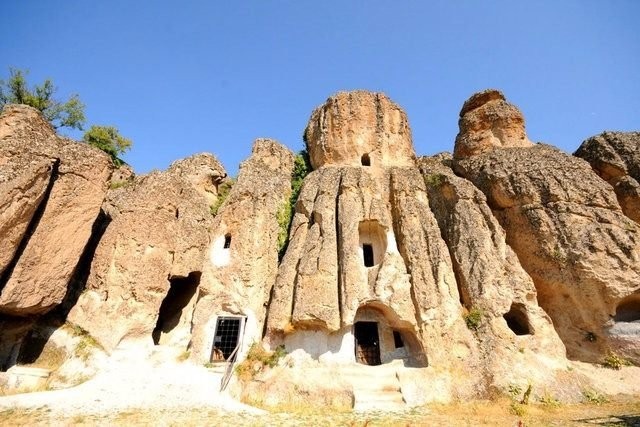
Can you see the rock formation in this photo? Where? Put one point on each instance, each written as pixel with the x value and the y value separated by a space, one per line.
pixel 488 121
pixel 242 257
pixel 568 231
pixel 502 259
pixel 615 156
pixel 359 128
pixel 55 188
pixel 152 250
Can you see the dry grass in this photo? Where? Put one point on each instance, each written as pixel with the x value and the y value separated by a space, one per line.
pixel 487 413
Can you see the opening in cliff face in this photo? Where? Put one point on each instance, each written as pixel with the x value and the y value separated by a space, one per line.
pixel 228 334
pixel 373 242
pixel 367 343
pixel 517 320
pixel 365 160
pixel 381 336
pixel 181 291
pixel 628 310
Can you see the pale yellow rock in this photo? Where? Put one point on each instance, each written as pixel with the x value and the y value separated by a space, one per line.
pixel 80 173
pixel 355 127
pixel 488 121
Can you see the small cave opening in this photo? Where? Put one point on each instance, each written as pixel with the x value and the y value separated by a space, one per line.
pixel 517 320
pixel 628 309
pixel 227 241
pixel 365 160
pixel 181 291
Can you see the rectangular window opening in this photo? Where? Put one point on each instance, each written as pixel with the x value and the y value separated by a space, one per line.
pixel 397 339
pixel 367 251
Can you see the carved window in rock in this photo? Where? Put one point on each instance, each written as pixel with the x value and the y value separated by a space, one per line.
pixel 373 242
pixel 365 160
pixel 227 241
pixel 367 253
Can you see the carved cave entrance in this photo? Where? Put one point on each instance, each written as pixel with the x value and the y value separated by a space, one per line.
pixel 229 330
pixel 181 291
pixel 517 320
pixel 367 343
pixel 628 310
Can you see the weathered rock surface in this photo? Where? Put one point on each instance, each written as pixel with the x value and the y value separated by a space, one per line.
pixel 488 121
pixel 350 125
pixel 365 246
pixel 242 255
pixel 56 188
pixel 152 250
pixel 570 235
pixel 615 156
pixel 488 272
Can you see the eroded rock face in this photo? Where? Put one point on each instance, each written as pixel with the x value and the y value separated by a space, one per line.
pixel 615 156
pixel 488 121
pixel 569 233
pixel 242 253
pixel 354 128
pixel 52 190
pixel 152 251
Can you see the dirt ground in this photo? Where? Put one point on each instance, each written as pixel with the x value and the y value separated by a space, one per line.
pixel 623 412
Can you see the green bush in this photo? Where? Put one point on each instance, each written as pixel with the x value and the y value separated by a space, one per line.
pixel 301 168
pixel 593 397
pixel 613 361
pixel 223 192
pixel 473 318
pixel 109 140
pixel 257 359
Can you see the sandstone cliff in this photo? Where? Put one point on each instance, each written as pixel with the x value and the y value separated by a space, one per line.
pixel 153 249
pixel 568 230
pixel 53 192
pixel 502 259
pixel 615 156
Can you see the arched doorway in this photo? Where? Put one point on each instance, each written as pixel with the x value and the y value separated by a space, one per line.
pixel 380 337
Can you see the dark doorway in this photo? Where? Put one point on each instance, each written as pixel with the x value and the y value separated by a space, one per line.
pixel 365 160
pixel 367 343
pixel 227 241
pixel 226 338
pixel 367 252
pixel 181 291
pixel 628 310
pixel 517 320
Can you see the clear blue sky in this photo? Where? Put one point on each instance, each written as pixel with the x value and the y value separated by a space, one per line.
pixel 181 77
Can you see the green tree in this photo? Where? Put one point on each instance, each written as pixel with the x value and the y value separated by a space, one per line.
pixel 109 140
pixel 59 114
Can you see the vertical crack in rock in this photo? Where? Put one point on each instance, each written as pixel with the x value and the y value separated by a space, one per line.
pixel 339 249
pixel 80 274
pixel 33 224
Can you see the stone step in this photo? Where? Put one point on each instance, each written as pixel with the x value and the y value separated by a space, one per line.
pixel 374 384
pixel 378 401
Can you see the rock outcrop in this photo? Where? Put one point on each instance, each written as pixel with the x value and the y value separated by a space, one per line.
pixel 152 251
pixel 242 255
pixel 501 259
pixel 488 121
pixel 53 192
pixel 568 231
pixel 615 156
pixel 359 128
